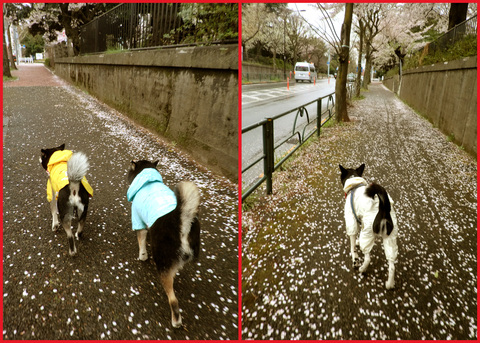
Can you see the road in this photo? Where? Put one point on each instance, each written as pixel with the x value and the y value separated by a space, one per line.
pixel 297 275
pixel 262 101
pixel 103 292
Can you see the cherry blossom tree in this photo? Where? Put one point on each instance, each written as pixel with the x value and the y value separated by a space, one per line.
pixel 253 15
pixel 49 19
pixel 340 45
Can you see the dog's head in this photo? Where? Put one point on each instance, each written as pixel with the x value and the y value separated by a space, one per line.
pixel 47 153
pixel 136 168
pixel 348 173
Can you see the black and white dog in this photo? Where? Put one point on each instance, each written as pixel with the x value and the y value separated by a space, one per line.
pixel 368 209
pixel 67 189
pixel 171 217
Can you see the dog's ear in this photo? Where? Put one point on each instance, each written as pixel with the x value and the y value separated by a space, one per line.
pixel 62 147
pixel 344 171
pixel 133 165
pixel 361 169
pixel 155 163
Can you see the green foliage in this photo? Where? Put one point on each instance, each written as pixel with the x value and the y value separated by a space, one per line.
pixel 392 72
pixel 47 63
pixel 207 22
pixel 463 48
pixel 33 44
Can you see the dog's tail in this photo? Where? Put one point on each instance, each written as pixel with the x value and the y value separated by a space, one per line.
pixel 383 221
pixel 77 167
pixel 188 201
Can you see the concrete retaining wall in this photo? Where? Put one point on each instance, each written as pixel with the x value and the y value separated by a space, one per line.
pixel 188 95
pixel 446 93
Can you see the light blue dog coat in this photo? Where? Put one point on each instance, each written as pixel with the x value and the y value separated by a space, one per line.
pixel 150 199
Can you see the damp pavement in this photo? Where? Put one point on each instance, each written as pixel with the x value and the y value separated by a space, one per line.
pixel 297 277
pixel 103 292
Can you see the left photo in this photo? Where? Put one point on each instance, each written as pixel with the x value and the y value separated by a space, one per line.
pixel 120 171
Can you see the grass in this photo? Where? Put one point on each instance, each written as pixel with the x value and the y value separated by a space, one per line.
pixel 258 195
pixel 7 79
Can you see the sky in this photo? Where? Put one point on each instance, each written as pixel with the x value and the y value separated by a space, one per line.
pixel 313 15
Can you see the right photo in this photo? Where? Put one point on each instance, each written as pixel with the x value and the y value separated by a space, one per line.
pixel 359 171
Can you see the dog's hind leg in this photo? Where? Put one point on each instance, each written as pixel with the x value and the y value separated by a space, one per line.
pixel 391 253
pixel 390 283
pixel 365 264
pixel 167 283
pixel 353 252
pixel 142 245
pixel 82 217
pixel 67 226
pixel 82 209
pixel 53 208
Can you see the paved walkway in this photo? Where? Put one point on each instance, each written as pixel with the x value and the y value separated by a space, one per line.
pixel 297 279
pixel 104 292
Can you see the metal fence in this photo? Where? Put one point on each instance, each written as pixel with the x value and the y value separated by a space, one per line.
pixel 141 25
pixel 299 132
pixel 459 32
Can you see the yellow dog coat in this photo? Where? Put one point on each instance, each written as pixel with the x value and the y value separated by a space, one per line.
pixel 57 170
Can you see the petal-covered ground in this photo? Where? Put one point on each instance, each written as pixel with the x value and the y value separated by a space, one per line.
pixel 103 292
pixel 297 278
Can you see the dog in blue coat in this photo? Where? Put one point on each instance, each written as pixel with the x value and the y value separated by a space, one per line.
pixel 171 218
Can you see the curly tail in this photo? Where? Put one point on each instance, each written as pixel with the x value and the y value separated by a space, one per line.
pixel 188 201
pixel 383 221
pixel 77 167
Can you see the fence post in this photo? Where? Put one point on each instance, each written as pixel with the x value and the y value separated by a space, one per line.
pixel 268 150
pixel 319 116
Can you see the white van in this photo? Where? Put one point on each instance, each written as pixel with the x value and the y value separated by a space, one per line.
pixel 305 71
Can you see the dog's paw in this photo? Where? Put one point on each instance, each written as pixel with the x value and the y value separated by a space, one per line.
pixel 177 323
pixel 389 285
pixel 55 226
pixel 356 263
pixel 143 257
pixel 362 269
pixel 78 235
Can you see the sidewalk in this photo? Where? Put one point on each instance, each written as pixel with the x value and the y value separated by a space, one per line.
pixel 297 277
pixel 103 292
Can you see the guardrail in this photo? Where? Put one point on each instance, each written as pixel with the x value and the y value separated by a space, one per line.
pixel 268 135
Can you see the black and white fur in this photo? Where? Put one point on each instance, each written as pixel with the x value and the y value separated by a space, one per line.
pixel 383 225
pixel 175 237
pixel 72 199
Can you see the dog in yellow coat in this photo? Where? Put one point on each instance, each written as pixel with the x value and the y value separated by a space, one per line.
pixel 68 191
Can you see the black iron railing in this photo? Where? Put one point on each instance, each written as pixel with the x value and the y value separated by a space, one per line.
pixel 300 132
pixel 144 25
pixel 449 38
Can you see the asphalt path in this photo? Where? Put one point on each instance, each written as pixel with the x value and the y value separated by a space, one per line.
pixel 103 292
pixel 297 275
pixel 269 100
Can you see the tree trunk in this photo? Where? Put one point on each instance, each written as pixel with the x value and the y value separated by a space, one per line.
pixel 457 14
pixel 358 81
pixel 6 67
pixel 341 84
pixel 10 51
pixel 274 61
pixel 367 76
pixel 368 64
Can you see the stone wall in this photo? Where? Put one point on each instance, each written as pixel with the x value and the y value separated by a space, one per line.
pixel 446 93
pixel 188 95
